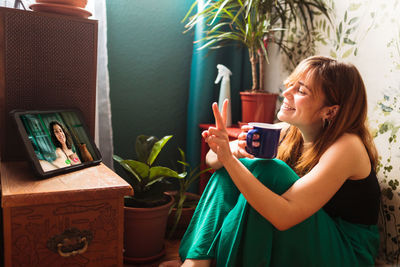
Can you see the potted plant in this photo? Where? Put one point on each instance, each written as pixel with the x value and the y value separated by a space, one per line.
pixel 185 203
pixel 146 212
pixel 254 24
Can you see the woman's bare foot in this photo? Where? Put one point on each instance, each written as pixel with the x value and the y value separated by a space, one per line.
pixel 172 263
pixel 196 263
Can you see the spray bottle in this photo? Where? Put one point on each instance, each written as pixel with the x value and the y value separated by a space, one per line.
pixel 225 91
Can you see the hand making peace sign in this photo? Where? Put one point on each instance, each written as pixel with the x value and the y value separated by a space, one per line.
pixel 218 139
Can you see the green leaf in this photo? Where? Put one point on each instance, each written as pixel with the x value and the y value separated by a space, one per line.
pixel 138 167
pixel 143 146
pixel 353 20
pixel 184 163
pixel 221 7
pixel 348 41
pixel 127 167
pixel 350 30
pixel 333 54
pixel 159 171
pixel 338 36
pixel 182 153
pixel 117 158
pixel 157 149
pixel 190 11
pixel 347 53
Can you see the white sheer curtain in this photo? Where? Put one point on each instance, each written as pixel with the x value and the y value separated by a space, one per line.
pixel 20 4
pixel 103 133
pixel 103 136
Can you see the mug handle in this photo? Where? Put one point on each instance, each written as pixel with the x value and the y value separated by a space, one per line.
pixel 249 140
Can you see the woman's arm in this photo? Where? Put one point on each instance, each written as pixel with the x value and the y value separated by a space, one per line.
pixel 308 194
pixel 346 158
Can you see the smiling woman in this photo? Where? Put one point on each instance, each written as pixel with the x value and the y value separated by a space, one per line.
pixel 63 142
pixel 259 212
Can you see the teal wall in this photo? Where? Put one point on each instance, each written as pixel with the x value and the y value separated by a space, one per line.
pixel 149 67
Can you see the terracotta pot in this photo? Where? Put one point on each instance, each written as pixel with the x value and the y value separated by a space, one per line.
pixel 144 233
pixel 258 107
pixel 75 3
pixel 187 214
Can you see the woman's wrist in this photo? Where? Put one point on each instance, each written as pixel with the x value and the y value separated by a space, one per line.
pixel 226 161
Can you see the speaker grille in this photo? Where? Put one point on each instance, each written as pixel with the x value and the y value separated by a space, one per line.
pixel 50 63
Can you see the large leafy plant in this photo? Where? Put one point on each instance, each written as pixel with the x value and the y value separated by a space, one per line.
pixel 149 182
pixel 255 23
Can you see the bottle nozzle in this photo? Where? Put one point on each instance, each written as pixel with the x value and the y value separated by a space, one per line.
pixel 223 72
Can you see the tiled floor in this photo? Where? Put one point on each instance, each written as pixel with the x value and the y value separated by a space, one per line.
pixel 171 253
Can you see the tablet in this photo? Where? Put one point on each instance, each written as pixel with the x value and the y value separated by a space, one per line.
pixel 56 141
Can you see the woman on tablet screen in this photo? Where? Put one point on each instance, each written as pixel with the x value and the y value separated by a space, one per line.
pixel 63 142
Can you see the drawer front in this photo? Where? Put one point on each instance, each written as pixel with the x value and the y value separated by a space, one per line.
pixel 81 233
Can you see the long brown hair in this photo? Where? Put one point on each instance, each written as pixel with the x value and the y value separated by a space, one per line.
pixel 68 139
pixel 341 84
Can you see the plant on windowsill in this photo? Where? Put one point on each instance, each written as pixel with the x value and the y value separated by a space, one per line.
pixel 184 202
pixel 254 24
pixel 146 212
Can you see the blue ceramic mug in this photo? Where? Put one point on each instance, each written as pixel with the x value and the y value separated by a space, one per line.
pixel 268 139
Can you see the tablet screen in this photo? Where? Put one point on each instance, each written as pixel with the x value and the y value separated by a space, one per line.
pixel 56 141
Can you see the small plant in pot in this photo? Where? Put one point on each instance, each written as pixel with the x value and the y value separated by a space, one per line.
pixel 184 202
pixel 254 24
pixel 146 212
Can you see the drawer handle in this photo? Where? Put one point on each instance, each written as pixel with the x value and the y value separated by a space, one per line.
pixel 61 248
pixel 71 242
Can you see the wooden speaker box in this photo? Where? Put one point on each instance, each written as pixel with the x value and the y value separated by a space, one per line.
pixel 47 61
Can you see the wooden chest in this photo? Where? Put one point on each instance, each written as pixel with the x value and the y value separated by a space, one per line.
pixel 75 219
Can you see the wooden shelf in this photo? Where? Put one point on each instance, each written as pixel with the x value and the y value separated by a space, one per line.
pixel 20 187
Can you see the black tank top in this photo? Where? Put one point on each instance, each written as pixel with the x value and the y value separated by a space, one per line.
pixel 357 201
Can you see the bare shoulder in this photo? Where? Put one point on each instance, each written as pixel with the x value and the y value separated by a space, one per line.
pixel 59 151
pixel 350 150
pixel 349 142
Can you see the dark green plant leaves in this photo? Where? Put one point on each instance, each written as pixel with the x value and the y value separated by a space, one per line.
pixel 159 171
pixel 126 166
pixel 143 146
pixel 138 167
pixel 157 149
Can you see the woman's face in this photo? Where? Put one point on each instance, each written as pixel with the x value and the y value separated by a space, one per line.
pixel 58 132
pixel 301 106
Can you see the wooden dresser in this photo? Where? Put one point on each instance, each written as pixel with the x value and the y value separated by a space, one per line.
pixel 75 219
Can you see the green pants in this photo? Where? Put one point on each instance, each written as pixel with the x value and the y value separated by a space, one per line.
pixel 226 228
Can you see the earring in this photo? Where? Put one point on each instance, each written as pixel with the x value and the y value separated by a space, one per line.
pixel 326 123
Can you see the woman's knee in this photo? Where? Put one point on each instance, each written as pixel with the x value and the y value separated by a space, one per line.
pixel 275 174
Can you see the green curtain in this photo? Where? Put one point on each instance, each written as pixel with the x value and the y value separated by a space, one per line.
pixel 39 137
pixel 203 92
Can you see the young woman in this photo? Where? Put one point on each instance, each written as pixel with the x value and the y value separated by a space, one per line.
pixel 63 142
pixel 317 204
